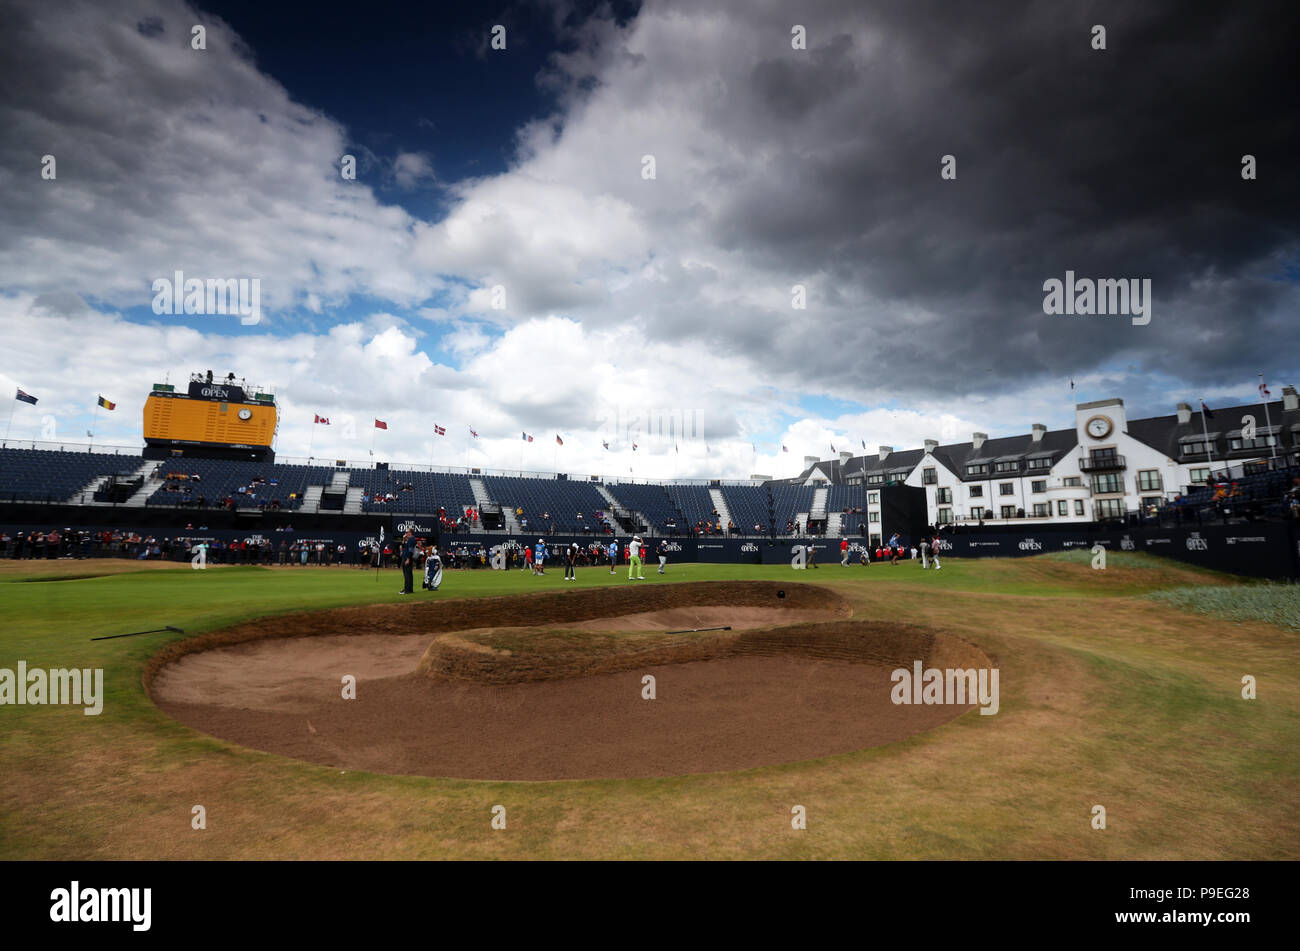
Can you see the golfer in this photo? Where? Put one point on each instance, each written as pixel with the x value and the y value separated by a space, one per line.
pixel 634 559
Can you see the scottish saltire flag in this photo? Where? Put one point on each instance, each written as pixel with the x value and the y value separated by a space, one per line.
pixel 26 397
pixel 107 404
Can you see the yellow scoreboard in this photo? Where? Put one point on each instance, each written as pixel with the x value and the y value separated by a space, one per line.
pixel 173 419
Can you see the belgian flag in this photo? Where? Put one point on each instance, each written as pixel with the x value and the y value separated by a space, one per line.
pixel 107 404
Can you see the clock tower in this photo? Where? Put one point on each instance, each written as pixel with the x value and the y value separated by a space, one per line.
pixel 1100 424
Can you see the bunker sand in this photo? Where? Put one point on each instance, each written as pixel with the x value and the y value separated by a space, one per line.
pixel 797 678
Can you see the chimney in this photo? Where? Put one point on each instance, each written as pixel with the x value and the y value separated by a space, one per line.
pixel 1289 399
pixel 1184 414
pixel 810 461
pixel 931 445
pixel 845 457
pixel 977 439
pixel 885 451
pixel 1039 429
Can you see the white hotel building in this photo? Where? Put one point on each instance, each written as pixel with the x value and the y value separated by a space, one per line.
pixel 1106 466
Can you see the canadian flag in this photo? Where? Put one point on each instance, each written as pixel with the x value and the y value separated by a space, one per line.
pixel 324 420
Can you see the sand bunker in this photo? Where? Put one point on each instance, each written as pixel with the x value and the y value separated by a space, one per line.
pixel 461 689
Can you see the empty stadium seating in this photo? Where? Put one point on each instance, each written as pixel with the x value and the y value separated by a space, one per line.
pixel 788 501
pixel 749 506
pixel 48 475
pixel 221 478
pixel 564 501
pixel 428 491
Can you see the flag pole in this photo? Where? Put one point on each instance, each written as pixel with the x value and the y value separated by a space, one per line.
pixel 94 417
pixel 9 424
pixel 311 438
pixel 1205 432
pixel 1267 420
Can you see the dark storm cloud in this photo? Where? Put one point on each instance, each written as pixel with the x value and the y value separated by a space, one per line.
pixel 1122 163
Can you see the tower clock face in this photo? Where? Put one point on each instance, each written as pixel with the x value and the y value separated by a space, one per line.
pixel 1099 427
pixel 245 414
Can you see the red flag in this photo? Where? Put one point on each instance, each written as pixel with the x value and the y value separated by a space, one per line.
pixel 380 424
pixel 559 441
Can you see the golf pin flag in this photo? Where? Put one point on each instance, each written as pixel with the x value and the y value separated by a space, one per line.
pixel 380 424
pixel 26 397
pixel 107 404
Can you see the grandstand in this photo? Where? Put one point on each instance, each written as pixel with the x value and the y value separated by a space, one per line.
pixel 567 506
pixel 54 475
pixel 1108 469
pixel 749 505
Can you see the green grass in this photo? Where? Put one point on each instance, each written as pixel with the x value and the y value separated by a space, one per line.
pixel 1116 689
